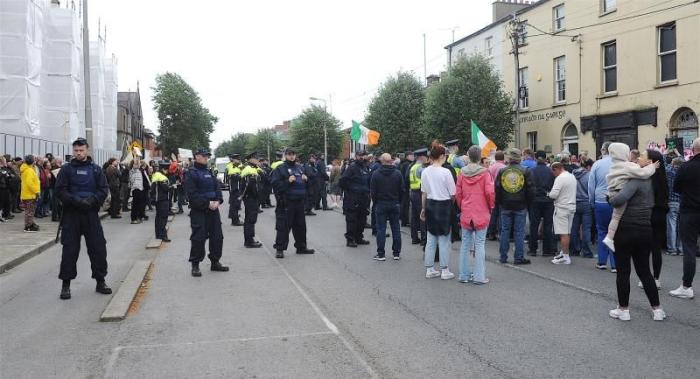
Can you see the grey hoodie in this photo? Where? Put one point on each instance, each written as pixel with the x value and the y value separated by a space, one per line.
pixel 472 169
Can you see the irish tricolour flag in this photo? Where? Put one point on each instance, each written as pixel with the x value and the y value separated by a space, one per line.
pixel 363 135
pixel 479 139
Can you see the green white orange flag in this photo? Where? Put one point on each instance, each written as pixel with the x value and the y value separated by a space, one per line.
pixel 363 135
pixel 479 139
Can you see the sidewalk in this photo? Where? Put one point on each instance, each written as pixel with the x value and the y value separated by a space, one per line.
pixel 18 246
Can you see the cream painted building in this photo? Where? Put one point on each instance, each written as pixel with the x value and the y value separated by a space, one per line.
pixel 606 70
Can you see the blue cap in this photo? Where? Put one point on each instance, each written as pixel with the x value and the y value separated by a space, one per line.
pixel 202 151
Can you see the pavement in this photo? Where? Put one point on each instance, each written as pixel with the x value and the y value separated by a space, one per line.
pixel 335 314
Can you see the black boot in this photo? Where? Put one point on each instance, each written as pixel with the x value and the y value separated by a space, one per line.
pixel 195 269
pixel 280 254
pixel 217 266
pixel 351 243
pixel 166 239
pixel 253 244
pixel 236 223
pixel 65 290
pixel 102 288
pixel 305 251
pixel 362 242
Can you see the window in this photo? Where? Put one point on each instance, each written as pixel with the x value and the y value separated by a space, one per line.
pixel 610 67
pixel 532 140
pixel 523 95
pixel 558 18
pixel 667 53
pixel 608 5
pixel 560 79
pixel 488 48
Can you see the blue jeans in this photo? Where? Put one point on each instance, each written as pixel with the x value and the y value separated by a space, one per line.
pixel 673 243
pixel 581 244
pixel 477 239
pixel 431 246
pixel 603 213
pixel 512 221
pixel 388 211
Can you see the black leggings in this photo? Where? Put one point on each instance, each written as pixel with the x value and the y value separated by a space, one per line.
pixel 658 239
pixel 633 244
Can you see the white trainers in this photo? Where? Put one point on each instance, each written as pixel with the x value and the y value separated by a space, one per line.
pixel 446 274
pixel 431 273
pixel 622 315
pixel 658 314
pixel 562 259
pixel 658 284
pixel 609 243
pixel 683 293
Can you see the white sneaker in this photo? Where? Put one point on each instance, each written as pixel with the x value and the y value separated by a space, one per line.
pixel 446 274
pixel 431 273
pixel 562 259
pixel 658 314
pixel 622 315
pixel 609 243
pixel 683 293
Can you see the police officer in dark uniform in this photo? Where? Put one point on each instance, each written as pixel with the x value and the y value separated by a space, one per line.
pixel 355 183
pixel 418 228
pixel 205 198
pixel 251 184
pixel 311 171
pixel 233 172
pixel 160 190
pixel 289 181
pixel 266 186
pixel 82 188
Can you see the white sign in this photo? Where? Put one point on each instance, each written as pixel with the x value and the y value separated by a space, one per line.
pixel 185 153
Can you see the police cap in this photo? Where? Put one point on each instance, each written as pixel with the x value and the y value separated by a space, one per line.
pixel 360 153
pixel 253 155
pixel 290 150
pixel 202 151
pixel 164 163
pixel 423 152
pixel 235 156
pixel 453 142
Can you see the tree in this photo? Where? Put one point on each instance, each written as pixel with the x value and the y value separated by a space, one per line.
pixel 236 145
pixel 184 121
pixel 471 90
pixel 307 132
pixel 264 142
pixel 397 113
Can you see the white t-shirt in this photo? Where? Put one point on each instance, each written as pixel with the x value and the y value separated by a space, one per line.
pixel 437 182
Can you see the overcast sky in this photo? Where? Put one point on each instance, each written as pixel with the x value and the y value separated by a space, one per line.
pixel 256 63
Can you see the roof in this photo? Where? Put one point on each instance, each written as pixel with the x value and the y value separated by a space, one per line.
pixel 129 100
pixel 496 23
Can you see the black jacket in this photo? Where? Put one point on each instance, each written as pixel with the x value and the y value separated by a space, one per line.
pixel 355 179
pixel 387 185
pixel 544 180
pixel 515 188
pixel 69 173
pixel 688 185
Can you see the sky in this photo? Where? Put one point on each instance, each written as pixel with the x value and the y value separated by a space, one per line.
pixel 256 63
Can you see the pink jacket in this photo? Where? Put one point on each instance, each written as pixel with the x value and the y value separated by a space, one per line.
pixel 475 197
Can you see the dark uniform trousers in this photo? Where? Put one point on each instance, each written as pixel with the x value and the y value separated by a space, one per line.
pixel 356 207
pixel 234 206
pixel 206 224
pixel 311 195
pixel 289 215
pixel 251 217
pixel 76 224
pixel 162 211
pixel 416 224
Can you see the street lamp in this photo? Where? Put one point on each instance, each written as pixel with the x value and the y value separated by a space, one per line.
pixel 325 132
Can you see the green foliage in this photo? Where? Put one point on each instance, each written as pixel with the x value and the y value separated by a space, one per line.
pixel 184 121
pixel 307 132
pixel 471 90
pixel 263 142
pixel 397 113
pixel 236 145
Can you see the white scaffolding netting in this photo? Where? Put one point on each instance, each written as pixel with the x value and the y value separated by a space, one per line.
pixel 110 104
pixel 97 93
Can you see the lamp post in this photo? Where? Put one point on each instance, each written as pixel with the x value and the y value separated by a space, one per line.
pixel 325 132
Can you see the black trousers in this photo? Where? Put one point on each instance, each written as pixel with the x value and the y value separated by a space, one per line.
pixel 162 211
pixel 405 207
pixel 138 205
pixel 125 196
pixel 632 244
pixel 251 217
pixel 658 239
pixel 322 195
pixel 289 215
pixel 542 211
pixel 5 208
pixel 234 206
pixel 265 195
pixel 206 224
pixel 416 224
pixel 689 229
pixel 114 202
pixel 87 224
pixel 311 195
pixel 14 197
pixel 356 207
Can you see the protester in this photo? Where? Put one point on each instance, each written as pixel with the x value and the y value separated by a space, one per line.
pixel 404 167
pixel 475 197
pixel 673 242
pixel 336 192
pixel 438 189
pixel 386 190
pixel 527 159
pixel 29 193
pixel 687 183
pixel 138 183
pixel 112 173
pixel 542 209
pixel 581 244
pixel 160 188
pixel 597 195
pixel 56 205
pixel 659 210
pixel 5 181
pixel 494 168
pixel 125 189
pixel 47 182
pixel 564 195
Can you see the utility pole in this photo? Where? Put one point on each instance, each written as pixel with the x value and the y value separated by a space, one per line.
pixel 515 39
pixel 86 74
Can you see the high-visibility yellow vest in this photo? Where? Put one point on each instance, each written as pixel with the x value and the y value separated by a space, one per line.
pixel 232 169
pixel 276 164
pixel 249 170
pixel 158 177
pixel 450 160
pixel 413 179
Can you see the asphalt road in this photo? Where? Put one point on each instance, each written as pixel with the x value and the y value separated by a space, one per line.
pixel 338 314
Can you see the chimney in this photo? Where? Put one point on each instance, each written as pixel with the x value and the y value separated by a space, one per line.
pixel 432 79
pixel 503 8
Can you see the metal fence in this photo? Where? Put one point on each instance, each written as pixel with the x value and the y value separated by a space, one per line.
pixel 20 146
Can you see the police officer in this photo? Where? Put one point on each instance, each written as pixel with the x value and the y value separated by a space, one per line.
pixel 250 193
pixel 279 161
pixel 355 183
pixel 160 189
pixel 205 198
pixel 421 156
pixel 288 180
pixel 311 171
pixel 453 158
pixel 82 188
pixel 266 186
pixel 233 172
